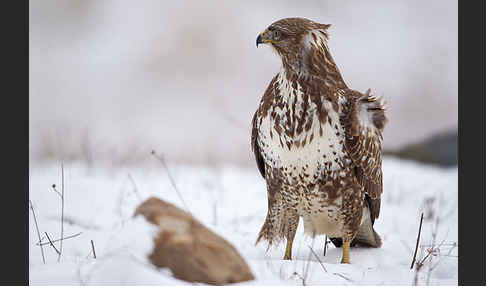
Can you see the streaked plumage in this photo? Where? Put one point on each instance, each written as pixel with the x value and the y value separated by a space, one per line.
pixel 316 142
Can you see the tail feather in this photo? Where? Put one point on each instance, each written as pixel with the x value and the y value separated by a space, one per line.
pixel 265 233
pixel 366 236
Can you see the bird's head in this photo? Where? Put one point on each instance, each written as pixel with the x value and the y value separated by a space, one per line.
pixel 294 38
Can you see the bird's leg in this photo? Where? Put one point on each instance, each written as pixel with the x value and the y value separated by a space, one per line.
pixel 292 229
pixel 346 246
pixel 351 214
pixel 288 250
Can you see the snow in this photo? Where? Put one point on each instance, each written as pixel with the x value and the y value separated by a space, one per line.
pixel 231 201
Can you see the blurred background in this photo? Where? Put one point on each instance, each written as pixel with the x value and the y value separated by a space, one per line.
pixel 110 81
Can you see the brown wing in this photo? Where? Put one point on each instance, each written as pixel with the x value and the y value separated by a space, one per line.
pixel 363 118
pixel 255 147
pixel 267 99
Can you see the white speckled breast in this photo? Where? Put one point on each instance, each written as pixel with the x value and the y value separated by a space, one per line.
pixel 302 166
pixel 310 158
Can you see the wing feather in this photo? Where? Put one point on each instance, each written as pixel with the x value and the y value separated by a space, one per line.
pixel 363 118
pixel 269 95
pixel 255 147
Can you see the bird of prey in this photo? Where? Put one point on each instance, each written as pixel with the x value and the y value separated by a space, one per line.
pixel 317 143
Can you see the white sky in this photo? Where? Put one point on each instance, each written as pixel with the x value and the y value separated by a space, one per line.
pixel 115 79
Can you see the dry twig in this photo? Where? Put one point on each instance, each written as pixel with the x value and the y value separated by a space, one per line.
pixel 452 244
pixel 62 212
pixel 135 189
pixel 52 244
pixel 38 233
pixel 307 266
pixel 56 191
pixel 342 276
pixel 93 248
pixel 418 240
pixel 325 245
pixel 300 277
pixel 318 259
pixel 56 240
pixel 172 181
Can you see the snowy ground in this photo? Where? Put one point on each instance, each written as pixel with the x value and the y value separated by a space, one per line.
pixel 231 201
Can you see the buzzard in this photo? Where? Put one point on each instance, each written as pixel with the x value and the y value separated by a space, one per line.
pixel 317 144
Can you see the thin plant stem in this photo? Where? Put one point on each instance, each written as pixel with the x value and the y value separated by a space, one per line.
pixel 56 240
pixel 62 212
pixel 38 233
pixel 93 248
pixel 325 246
pixel 135 188
pixel 172 181
pixel 52 244
pixel 418 240
pixel 318 259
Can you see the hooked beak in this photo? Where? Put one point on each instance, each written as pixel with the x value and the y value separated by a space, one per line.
pixel 261 39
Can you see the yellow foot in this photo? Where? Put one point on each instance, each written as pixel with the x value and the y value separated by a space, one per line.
pixel 345 258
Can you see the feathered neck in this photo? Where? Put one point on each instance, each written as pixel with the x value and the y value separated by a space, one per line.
pixel 314 61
